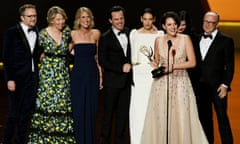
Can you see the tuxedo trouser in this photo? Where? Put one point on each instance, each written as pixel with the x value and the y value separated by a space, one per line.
pixel 206 96
pixel 20 109
pixel 116 100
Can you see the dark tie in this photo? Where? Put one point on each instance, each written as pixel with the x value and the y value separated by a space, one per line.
pixel 207 36
pixel 31 29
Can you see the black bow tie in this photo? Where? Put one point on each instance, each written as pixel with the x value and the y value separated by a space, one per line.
pixel 121 32
pixel 207 36
pixel 31 29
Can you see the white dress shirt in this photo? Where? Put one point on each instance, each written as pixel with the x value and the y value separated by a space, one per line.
pixel 205 43
pixel 122 37
pixel 31 37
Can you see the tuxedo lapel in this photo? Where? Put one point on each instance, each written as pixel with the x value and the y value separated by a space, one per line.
pixel 126 29
pixel 23 37
pixel 36 43
pixel 128 50
pixel 117 42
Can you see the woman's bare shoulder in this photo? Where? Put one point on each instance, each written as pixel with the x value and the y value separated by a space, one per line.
pixel 96 31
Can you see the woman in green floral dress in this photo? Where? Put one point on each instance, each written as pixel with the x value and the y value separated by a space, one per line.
pixel 52 120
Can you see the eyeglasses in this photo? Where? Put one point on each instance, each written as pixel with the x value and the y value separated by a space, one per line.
pixel 210 22
pixel 30 16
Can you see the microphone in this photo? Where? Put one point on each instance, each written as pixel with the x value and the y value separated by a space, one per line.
pixel 169 42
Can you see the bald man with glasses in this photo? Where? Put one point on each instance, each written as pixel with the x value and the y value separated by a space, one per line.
pixel 214 73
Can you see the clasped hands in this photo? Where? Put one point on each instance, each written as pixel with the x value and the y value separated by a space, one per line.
pixel 167 68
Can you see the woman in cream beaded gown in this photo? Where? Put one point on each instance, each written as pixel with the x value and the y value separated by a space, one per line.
pixel 172 116
pixel 140 38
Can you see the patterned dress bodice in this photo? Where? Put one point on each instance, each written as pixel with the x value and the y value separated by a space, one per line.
pixel 180 55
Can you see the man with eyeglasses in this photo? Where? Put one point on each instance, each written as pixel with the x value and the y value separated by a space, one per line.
pixel 20 57
pixel 214 73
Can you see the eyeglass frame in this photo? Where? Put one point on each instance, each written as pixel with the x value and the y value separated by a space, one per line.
pixel 30 16
pixel 210 22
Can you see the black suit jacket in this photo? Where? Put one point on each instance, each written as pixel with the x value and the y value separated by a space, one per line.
pixel 111 58
pixel 218 66
pixel 17 56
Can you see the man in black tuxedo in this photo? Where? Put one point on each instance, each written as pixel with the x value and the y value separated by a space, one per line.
pixel 20 57
pixel 214 73
pixel 114 58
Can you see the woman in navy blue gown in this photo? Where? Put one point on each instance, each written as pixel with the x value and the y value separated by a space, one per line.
pixel 85 76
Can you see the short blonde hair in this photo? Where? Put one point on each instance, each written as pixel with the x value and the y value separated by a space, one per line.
pixel 76 24
pixel 53 11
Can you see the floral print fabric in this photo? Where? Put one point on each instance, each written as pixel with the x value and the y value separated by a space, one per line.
pixel 52 120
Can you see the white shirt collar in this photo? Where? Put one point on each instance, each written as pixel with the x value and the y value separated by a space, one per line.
pixel 214 33
pixel 24 27
pixel 115 31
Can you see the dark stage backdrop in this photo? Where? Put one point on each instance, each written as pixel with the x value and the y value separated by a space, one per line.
pixel 9 11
